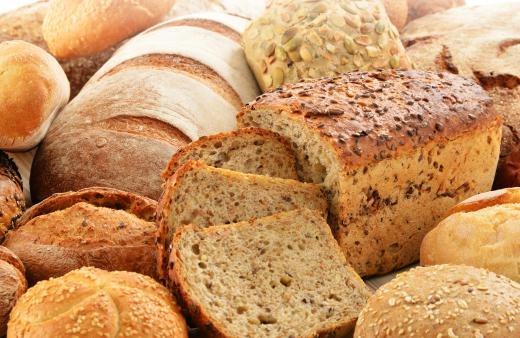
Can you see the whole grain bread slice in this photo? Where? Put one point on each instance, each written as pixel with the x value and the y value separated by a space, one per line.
pixel 248 150
pixel 279 276
pixel 205 196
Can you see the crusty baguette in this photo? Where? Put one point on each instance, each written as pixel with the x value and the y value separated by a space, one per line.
pixel 248 150
pixel 176 82
pixel 290 280
pixel 394 149
pixel 206 196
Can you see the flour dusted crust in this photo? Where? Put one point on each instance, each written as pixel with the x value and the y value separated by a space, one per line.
pixel 395 149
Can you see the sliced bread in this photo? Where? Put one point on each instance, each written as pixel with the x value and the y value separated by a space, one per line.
pixel 279 276
pixel 202 195
pixel 248 150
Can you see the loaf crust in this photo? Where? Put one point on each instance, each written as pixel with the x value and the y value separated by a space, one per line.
pixel 383 143
pixel 12 284
pixel 12 200
pixel 420 8
pixel 397 12
pixel 98 227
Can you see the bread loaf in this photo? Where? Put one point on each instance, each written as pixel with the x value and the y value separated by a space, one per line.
pixel 310 39
pixel 480 42
pixel 99 227
pixel 248 150
pixel 33 89
pixel 25 23
pixel 483 231
pixel 12 202
pixel 90 302
pixel 206 196
pixel 177 81
pixel 397 12
pixel 74 28
pixel 249 9
pixel 420 8
pixel 290 280
pixel 12 285
pixel 394 150
pixel 443 301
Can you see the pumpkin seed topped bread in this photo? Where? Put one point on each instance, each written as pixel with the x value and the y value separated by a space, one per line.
pixel 394 150
pixel 248 150
pixel 310 39
pixel 290 280
pixel 206 196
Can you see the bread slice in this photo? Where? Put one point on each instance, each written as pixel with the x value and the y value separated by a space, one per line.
pixel 279 276
pixel 202 195
pixel 248 150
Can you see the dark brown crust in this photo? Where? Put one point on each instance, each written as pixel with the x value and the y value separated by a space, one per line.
pixel 12 199
pixel 360 113
pixel 169 170
pixel 11 258
pixel 9 169
pixel 12 286
pixel 487 199
pixel 140 206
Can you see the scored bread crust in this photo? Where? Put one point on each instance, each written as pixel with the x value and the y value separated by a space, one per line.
pixel 177 159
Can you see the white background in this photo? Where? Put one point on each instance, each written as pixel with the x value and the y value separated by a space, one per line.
pixel 6 5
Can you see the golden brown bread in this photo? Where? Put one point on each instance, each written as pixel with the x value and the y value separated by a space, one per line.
pixel 420 8
pixel 12 285
pixel 90 302
pixel 74 28
pixel 99 227
pixel 394 149
pixel 12 200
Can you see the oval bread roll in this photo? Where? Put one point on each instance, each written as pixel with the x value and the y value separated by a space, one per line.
pixel 483 231
pixel 90 302
pixel 12 284
pixel 33 88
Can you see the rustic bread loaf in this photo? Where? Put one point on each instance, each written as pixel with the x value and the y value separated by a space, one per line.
pixel 12 202
pixel 12 285
pixel 99 227
pixel 420 8
pixel 25 23
pixel 483 43
pixel 397 12
pixel 249 9
pixel 311 39
pixel 74 28
pixel 33 89
pixel 206 196
pixel 483 231
pixel 443 301
pixel 90 302
pixel 290 280
pixel 177 81
pixel 394 150
pixel 248 150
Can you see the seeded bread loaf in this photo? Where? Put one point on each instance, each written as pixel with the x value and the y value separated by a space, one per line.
pixel 248 150
pixel 311 39
pixel 12 285
pixel 443 301
pixel 12 201
pixel 206 196
pixel 90 302
pixel 290 280
pixel 483 43
pixel 393 149
pixel 420 8
pixel 98 227
pixel 172 84
pixel 483 231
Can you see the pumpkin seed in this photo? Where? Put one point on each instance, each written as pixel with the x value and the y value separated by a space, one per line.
pixel 394 61
pixel 372 51
pixel 289 35
pixel 280 54
pixel 314 38
pixel 353 21
pixel 278 76
pixel 293 44
pixel 380 27
pixel 367 28
pixel 270 49
pixel 349 45
pixel 349 8
pixel 294 56
pixel 306 54
pixel 363 40
pixel 357 60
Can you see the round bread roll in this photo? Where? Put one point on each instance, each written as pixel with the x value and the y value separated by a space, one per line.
pixel 74 28
pixel 100 227
pixel 420 8
pixel 311 39
pixel 443 301
pixel 397 12
pixel 12 285
pixel 483 231
pixel 12 201
pixel 33 88
pixel 90 302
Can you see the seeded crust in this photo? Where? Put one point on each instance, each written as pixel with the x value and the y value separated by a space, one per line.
pixel 90 302
pixel 248 150
pixel 443 301
pixel 12 284
pixel 98 227
pixel 261 289
pixel 207 196
pixel 393 149
pixel 12 203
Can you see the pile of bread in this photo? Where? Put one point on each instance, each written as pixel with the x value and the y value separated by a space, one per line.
pixel 235 171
